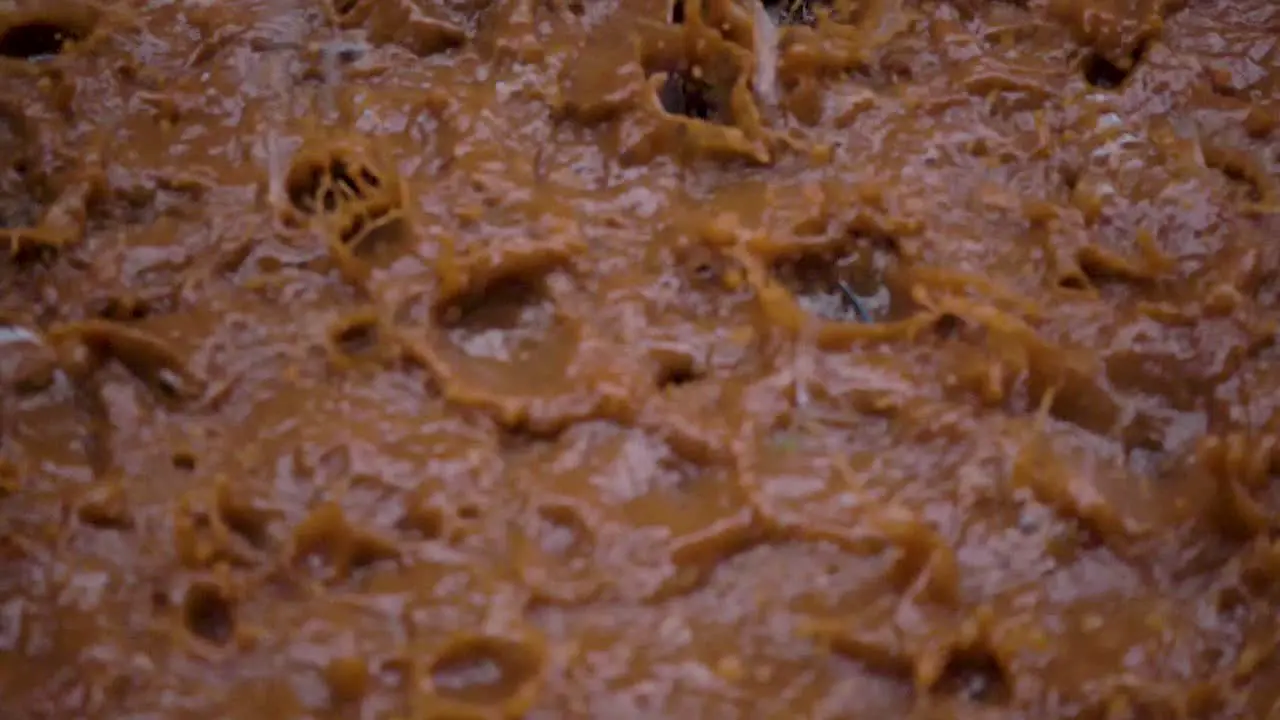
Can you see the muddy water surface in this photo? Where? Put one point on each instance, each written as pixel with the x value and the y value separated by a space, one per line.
pixel 442 359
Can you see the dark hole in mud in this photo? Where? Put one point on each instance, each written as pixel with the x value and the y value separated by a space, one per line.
pixel 676 15
pixel 683 94
pixel 344 7
pixel 1101 72
pixel 356 339
pixel 797 12
pixel 250 523
pixel 343 181
pixel 123 308
pixel 1070 177
pixel 677 372
pixel 1074 281
pixel 208 614
pixel 331 184
pixel 948 326
pixel 352 230
pixel 497 305
pixel 304 186
pixel 976 675
pixel 37 40
pixel 183 460
pixel 1244 180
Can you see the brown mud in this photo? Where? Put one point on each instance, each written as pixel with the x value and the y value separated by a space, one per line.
pixel 443 359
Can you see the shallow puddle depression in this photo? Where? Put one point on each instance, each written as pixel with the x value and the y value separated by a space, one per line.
pixel 854 282
pixel 506 322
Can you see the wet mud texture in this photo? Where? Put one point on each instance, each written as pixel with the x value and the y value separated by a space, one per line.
pixel 408 360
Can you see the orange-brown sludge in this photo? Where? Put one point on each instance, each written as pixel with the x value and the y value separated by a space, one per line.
pixel 444 359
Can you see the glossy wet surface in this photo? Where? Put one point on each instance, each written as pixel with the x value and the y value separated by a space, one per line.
pixel 396 359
